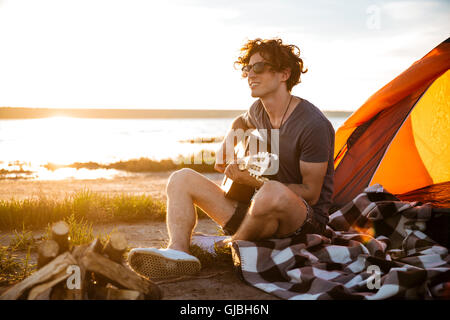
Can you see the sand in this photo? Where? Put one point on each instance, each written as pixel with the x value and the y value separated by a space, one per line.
pixel 213 283
pixel 152 184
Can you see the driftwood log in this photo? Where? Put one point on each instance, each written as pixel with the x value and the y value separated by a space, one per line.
pixel 113 293
pixel 44 290
pixel 47 273
pixel 91 271
pixel 120 275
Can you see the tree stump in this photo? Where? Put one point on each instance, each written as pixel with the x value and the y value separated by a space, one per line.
pixel 60 233
pixel 47 251
pixel 116 246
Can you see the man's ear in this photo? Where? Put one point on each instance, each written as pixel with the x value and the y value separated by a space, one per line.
pixel 285 74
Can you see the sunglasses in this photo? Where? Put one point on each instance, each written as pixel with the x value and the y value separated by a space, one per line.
pixel 257 67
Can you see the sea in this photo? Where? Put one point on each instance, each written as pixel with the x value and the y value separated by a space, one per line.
pixel 27 146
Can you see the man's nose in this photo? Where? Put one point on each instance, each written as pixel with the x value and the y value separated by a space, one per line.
pixel 251 74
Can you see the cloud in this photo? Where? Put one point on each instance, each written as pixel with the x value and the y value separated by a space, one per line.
pixel 143 54
pixel 414 10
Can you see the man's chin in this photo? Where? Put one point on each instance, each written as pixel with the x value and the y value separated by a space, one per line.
pixel 254 94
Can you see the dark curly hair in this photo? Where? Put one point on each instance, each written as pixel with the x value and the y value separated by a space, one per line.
pixel 280 55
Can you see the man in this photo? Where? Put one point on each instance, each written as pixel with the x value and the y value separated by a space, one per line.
pixel 295 200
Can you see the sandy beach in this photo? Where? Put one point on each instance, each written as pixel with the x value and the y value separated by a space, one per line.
pixel 152 184
pixel 213 283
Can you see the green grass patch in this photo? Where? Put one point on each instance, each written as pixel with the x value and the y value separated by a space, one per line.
pixel 91 206
pixel 12 268
pixel 23 240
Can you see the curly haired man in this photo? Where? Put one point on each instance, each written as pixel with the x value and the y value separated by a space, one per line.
pixel 294 201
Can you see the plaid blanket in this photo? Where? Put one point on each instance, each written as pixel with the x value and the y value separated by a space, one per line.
pixel 375 247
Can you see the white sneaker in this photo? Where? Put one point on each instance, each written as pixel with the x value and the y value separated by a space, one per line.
pixel 207 242
pixel 156 263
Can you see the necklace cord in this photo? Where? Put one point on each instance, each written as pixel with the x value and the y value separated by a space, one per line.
pixel 285 111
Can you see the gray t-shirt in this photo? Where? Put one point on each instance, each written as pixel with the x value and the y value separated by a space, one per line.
pixel 305 135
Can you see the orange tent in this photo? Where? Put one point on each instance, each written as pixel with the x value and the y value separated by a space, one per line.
pixel 400 137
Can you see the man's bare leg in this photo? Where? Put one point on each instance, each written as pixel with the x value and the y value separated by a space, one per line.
pixel 275 211
pixel 185 188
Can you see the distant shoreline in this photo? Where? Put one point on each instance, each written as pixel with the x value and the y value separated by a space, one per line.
pixel 37 113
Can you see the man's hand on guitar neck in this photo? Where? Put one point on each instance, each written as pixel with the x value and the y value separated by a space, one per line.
pixel 241 176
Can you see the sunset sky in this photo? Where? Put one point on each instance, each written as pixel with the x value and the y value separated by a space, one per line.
pixel 180 54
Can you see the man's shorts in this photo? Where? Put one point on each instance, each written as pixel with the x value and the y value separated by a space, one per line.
pixel 311 224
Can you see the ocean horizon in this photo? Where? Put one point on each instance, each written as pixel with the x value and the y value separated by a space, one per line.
pixel 121 113
pixel 30 145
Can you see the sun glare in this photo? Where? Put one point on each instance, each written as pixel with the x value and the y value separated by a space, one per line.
pixel 82 174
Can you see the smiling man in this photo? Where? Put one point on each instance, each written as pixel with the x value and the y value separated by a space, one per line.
pixel 294 201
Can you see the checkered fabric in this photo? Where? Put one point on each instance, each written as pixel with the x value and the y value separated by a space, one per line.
pixel 375 247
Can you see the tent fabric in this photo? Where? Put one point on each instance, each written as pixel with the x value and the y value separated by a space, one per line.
pixel 436 195
pixel 400 136
pixel 425 139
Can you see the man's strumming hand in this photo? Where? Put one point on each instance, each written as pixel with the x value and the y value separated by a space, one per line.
pixel 233 172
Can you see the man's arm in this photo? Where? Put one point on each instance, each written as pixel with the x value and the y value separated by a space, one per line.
pixel 313 175
pixel 241 122
pixel 314 148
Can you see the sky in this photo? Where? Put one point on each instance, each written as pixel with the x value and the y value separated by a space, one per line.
pixel 179 54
